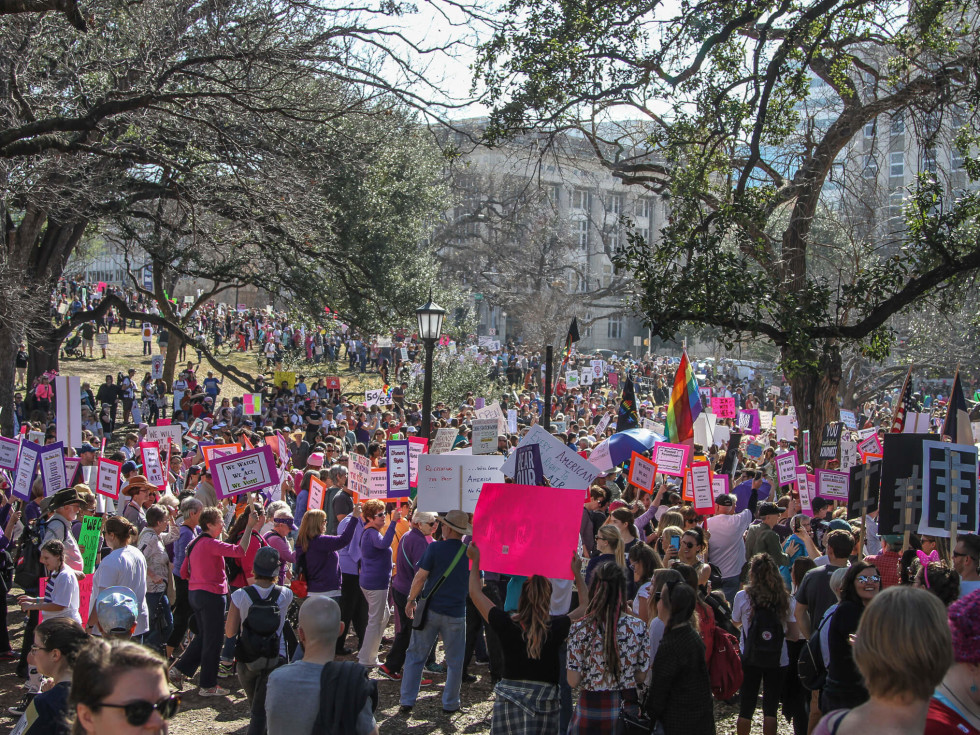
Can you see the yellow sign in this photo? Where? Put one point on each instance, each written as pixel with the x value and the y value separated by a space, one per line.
pixel 285 376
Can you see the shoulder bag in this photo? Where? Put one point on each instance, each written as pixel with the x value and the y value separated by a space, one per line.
pixel 422 604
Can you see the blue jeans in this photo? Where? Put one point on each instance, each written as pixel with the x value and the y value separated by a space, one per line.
pixel 453 632
pixel 161 620
pixel 730 587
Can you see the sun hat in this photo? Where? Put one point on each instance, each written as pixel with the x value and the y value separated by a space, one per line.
pixel 137 483
pixel 458 521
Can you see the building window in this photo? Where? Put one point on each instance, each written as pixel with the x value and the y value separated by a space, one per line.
pixel 580 200
pixel 614 240
pixel 616 204
pixel 869 129
pixel 644 208
pixel 583 283
pixel 582 230
pixel 870 167
pixel 614 329
pixel 958 160
pixel 895 202
pixel 898 124
pixel 554 194
pixel 929 161
pixel 896 164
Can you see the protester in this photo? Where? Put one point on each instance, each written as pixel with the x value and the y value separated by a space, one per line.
pixel 966 562
pixel 727 547
pixel 645 562
pixel 302 696
pixel 375 577
pixel 124 566
pixel 609 548
pixel 955 704
pixel 190 511
pixel 61 596
pixel 116 613
pixel 903 649
pixel 939 578
pixel 160 531
pixel 57 642
pixel 316 552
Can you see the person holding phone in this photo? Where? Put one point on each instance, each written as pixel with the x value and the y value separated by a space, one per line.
pixel 609 547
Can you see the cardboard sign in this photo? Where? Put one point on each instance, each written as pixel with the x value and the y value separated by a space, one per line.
pixel 378 397
pixel 162 435
pixel 443 443
pixel 829 440
pixel 643 472
pixel 359 474
pixel 51 460
pixel 252 404
pixel 484 435
pixel 107 475
pixel 377 486
pixel 562 466
pixel 513 541
pixel 671 459
pixel 765 420
pixel 318 490
pixel 9 450
pixel 416 448
pixel 222 450
pixel 244 472
pixel 720 484
pixel 701 488
pixel 949 489
pixel 528 466
pixel 600 456
pixel 156 367
pixel 90 541
pixel 848 419
pixel 152 467
pixel 869 445
pixel 786 468
pixel 455 481
pixel 723 408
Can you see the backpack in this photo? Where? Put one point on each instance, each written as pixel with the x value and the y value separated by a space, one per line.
pixel 29 570
pixel 725 667
pixel 258 641
pixel 233 566
pixel 764 641
pixel 811 666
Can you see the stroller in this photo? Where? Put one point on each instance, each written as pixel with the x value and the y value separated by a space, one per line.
pixel 73 346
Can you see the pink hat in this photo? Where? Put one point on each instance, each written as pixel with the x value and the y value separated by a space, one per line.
pixel 964 623
pixel 315 460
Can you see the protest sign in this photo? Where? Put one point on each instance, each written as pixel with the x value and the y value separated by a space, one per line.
pixel 162 435
pixel 284 376
pixel 784 428
pixel 586 378
pixel 803 490
pixel 832 484
pixel 765 420
pixel 719 484
pixel 454 481
pixel 786 468
pixel 107 475
pixel 252 404
pixel 643 472
pixel 156 367
pixel 224 450
pixel 701 488
pixel 748 421
pixel 721 435
pixel 671 459
pixel 848 454
pixel 600 456
pixel 900 507
pixel 71 469
pixel 603 423
pixel 863 491
pixel 513 541
pixel 705 394
pixel 68 405
pixel 244 472
pixel 560 427
pixel 51 460
pixel 949 490
pixel 443 443
pixel 399 483
pixel 493 411
pixel 26 465
pixel 332 383
pixel 378 397
pixel 512 420
pixel 753 450
pixel 704 429
pixel 90 541
pixel 722 407
pixel 484 436
pixel 416 448
pixel 597 370
pixel 102 339
pixel 377 485
pixel 917 423
pixel 152 467
pixel 563 467
pixel 805 441
pixel 848 419
pixel 318 490
pixel 528 470
pixel 84 596
pixel 613 379
pixel 870 445
pixel 35 436
pixel 9 449
pixel 359 474
pixel 571 378
pixel 829 440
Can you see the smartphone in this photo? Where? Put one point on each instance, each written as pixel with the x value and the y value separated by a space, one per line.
pixel 675 541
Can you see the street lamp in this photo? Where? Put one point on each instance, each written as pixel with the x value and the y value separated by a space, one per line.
pixel 430 318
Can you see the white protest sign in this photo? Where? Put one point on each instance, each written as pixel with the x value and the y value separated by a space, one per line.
pixel 160 435
pixel 156 367
pixel 562 466
pixel 359 473
pixel 397 467
pixel 52 463
pixel 784 428
pixel 404 352
pixel 439 483
pixel 107 479
pixel 786 468
pixel 152 468
pixel 493 411
pixel 848 419
pixel 597 366
pixel 848 454
pixel 803 488
pixel 443 443
pixel 671 459
pixel 379 397
pixel 244 472
pixel 9 449
pixel 68 392
pixel 24 478
pixel 377 487
pixel 603 423
pixel 765 420
pixel 512 420
pixel 600 456
pixel 416 448
pixel 586 378
pixel 484 436
pixel 704 499
pixel 560 427
pixel 704 429
pixel 571 378
pixel 474 473
pixel 36 437
pixel 833 485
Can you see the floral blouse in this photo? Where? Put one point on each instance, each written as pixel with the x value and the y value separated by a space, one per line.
pixel 585 653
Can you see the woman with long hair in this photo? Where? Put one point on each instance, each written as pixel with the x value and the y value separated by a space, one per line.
pixel 679 697
pixel 57 642
pixel 609 548
pixel 692 546
pixel 763 612
pixel 645 561
pixel 608 653
pixel 527 701
pixel 316 552
pixel 955 705
pixel 124 566
pixel 622 519
pixel 120 688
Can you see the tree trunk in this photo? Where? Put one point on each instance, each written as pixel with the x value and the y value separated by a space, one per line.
pixel 815 396
pixel 169 364
pixel 43 348
pixel 9 340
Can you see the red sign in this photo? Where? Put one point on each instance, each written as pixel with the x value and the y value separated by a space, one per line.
pixel 332 383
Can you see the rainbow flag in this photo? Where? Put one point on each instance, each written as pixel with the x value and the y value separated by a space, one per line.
pixel 685 405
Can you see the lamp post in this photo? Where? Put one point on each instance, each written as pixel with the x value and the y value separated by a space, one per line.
pixel 430 318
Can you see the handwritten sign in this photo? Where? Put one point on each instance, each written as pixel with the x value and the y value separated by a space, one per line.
pixel 719 484
pixel 416 448
pixel 749 421
pixel 833 485
pixel 493 411
pixel 603 423
pixel 90 540
pixel 455 481
pixel 562 465
pixel 443 443
pixel 786 468
pixel 152 467
pixel 701 487
pixel 318 489
pixel 359 474
pixel 107 477
pixel 870 445
pixel 484 435
pixel 723 408
pixel 848 419
pixel 9 449
pixel 244 472
pixel 163 435
pixel 378 397
pixel 671 459
pixel 643 472
pixel 399 483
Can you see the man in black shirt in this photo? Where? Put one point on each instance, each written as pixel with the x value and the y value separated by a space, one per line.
pixel 314 420
pixel 108 395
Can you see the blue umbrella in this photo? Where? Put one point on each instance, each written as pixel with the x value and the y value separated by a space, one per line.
pixel 623 444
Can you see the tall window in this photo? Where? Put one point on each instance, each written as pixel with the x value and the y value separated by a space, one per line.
pixel 869 129
pixel 895 201
pixel 870 167
pixel 898 124
pixel 554 194
pixel 958 160
pixel 896 164
pixel 582 227
pixel 616 204
pixel 644 208
pixel 580 200
pixel 614 328
pixel 929 160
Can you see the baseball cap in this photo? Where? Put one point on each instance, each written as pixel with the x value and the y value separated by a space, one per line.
pixel 266 563
pixel 116 610
pixel 725 500
pixel 768 509
pixel 129 466
pixel 893 539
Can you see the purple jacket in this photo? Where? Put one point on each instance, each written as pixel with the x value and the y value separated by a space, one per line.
pixel 321 561
pixel 4 517
pixel 410 550
pixel 286 554
pixel 350 555
pixel 376 558
pixel 187 535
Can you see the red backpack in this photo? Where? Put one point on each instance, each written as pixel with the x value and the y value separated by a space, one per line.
pixel 725 666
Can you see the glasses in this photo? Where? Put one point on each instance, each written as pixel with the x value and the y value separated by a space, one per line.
pixel 35 648
pixel 865 578
pixel 689 544
pixel 138 713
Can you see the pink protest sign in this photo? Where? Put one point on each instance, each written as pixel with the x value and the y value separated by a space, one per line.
pixel 84 596
pixel 252 404
pixel 786 468
pixel 671 459
pixel 244 472
pixel 513 541
pixel 719 484
pixel 416 448
pixel 318 489
pixel 107 477
pixel 803 488
pixel 614 379
pixel 723 408
pixel 833 485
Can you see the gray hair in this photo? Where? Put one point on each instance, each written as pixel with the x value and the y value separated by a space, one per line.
pixel 837 580
pixel 190 505
pixel 335 471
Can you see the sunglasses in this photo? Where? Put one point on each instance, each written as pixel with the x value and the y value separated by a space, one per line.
pixel 139 712
pixel 958 554
pixel 689 545
pixel 865 578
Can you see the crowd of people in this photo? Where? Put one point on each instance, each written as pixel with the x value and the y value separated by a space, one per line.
pixel 815 619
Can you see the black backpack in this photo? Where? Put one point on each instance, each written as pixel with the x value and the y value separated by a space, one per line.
pixel 764 642
pixel 258 641
pixel 810 666
pixel 29 570
pixel 233 566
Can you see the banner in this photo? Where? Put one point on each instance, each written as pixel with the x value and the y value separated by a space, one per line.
pixel 244 472
pixel 513 541
pixel 563 467
pixel 107 475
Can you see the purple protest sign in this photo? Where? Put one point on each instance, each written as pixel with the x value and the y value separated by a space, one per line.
pixel 26 464
pixel 397 466
pixel 51 459
pixel 9 449
pixel 527 467
pixel 749 421
pixel 245 472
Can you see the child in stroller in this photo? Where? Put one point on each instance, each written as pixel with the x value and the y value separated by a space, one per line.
pixel 73 345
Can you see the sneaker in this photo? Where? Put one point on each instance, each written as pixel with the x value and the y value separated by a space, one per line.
pixel 469 678
pixel 434 669
pixel 213 692
pixel 405 709
pixel 389 674
pixel 226 669
pixel 176 678
pixel 21 707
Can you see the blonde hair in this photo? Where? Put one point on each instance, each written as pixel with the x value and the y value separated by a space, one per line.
pixel 312 525
pixel 612 536
pixel 668 519
pixel 668 533
pixel 903 644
